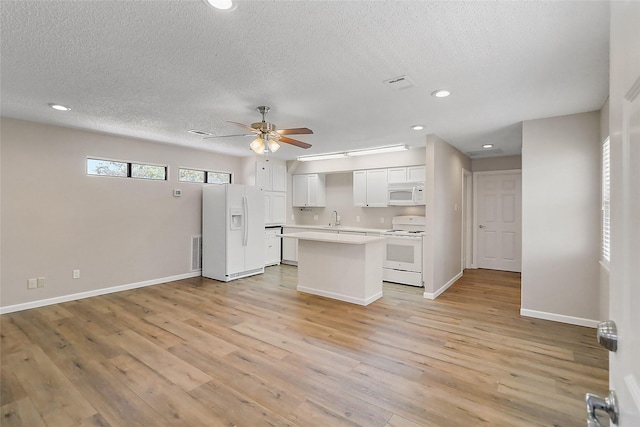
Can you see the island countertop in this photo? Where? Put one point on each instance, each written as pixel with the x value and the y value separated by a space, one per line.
pixel 352 239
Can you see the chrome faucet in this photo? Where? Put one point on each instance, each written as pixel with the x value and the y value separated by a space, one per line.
pixel 336 218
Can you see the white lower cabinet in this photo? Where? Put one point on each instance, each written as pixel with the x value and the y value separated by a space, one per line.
pixel 272 245
pixel 290 246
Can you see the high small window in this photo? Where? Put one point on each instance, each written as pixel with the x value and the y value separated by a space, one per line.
pixel 210 177
pixel 606 200
pixel 104 167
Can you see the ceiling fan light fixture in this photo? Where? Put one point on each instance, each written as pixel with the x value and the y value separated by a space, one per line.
pixel 273 145
pixel 220 4
pixel 257 145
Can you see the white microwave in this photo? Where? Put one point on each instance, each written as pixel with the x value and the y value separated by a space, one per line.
pixel 406 194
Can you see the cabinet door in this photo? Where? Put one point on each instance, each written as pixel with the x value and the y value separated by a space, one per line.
pixel 290 246
pixel 267 209
pixel 359 188
pixel 397 175
pixel 377 188
pixel 416 174
pixel 263 175
pixel 316 190
pixel 300 190
pixel 278 177
pixel 278 208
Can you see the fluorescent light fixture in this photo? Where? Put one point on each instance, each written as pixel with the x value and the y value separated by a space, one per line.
pixel 322 157
pixel 417 127
pixel 59 107
pixel 440 93
pixel 378 150
pixel 487 146
pixel 220 4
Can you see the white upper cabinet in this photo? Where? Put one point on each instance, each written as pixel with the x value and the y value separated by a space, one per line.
pixel 370 188
pixel 271 176
pixel 397 175
pixel 309 190
pixel 416 174
pixel 407 174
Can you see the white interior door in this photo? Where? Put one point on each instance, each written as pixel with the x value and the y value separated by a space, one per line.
pixel 499 220
pixel 624 290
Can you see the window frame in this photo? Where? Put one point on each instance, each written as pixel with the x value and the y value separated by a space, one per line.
pixel 206 175
pixel 605 195
pixel 129 165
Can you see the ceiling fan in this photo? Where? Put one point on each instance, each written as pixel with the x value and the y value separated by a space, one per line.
pixel 268 138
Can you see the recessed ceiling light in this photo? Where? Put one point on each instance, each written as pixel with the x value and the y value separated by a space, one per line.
pixel 441 93
pixel 417 127
pixel 487 146
pixel 59 107
pixel 220 4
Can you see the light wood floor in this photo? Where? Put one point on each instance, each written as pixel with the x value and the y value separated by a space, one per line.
pixel 255 352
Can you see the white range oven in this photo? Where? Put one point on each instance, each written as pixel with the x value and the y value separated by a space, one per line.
pixel 403 251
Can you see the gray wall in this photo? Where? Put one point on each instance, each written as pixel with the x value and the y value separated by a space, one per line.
pixel 561 218
pixel 444 199
pixel 117 231
pixel 496 164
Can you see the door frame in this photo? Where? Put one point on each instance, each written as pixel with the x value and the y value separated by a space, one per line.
pixel 475 208
pixel 468 210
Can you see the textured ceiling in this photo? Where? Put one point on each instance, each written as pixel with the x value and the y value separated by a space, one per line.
pixel 154 69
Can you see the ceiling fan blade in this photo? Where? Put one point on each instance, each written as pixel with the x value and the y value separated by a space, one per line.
pixel 294 131
pixel 249 128
pixel 228 136
pixel 294 142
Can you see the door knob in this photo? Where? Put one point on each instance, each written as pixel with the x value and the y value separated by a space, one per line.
pixel 607 404
pixel 481 226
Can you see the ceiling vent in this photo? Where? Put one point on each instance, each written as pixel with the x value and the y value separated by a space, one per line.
pixel 398 83
pixel 484 153
pixel 199 132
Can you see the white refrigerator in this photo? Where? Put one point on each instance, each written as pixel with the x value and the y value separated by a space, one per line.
pixel 232 231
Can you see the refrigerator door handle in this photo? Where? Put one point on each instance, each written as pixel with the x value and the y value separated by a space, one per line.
pixel 245 228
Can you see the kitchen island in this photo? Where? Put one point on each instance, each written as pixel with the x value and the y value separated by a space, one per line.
pixel 346 267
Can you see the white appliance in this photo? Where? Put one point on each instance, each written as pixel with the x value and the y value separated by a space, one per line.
pixel 405 194
pixel 403 250
pixel 232 231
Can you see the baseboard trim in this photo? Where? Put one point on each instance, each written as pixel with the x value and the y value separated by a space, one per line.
pixel 436 294
pixel 579 321
pixel 97 292
pixel 341 297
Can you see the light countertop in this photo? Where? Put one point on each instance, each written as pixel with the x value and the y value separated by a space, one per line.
pixel 339 228
pixel 352 239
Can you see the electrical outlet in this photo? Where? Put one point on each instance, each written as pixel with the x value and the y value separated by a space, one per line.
pixel 357 218
pixel 41 282
pixel 315 217
pixel 381 220
pixel 32 283
pixel 76 274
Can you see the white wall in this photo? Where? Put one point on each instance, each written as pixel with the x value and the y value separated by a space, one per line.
pixel 443 247
pixel 561 218
pixel 117 231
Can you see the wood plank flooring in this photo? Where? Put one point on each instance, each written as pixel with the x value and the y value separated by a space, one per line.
pixel 255 352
